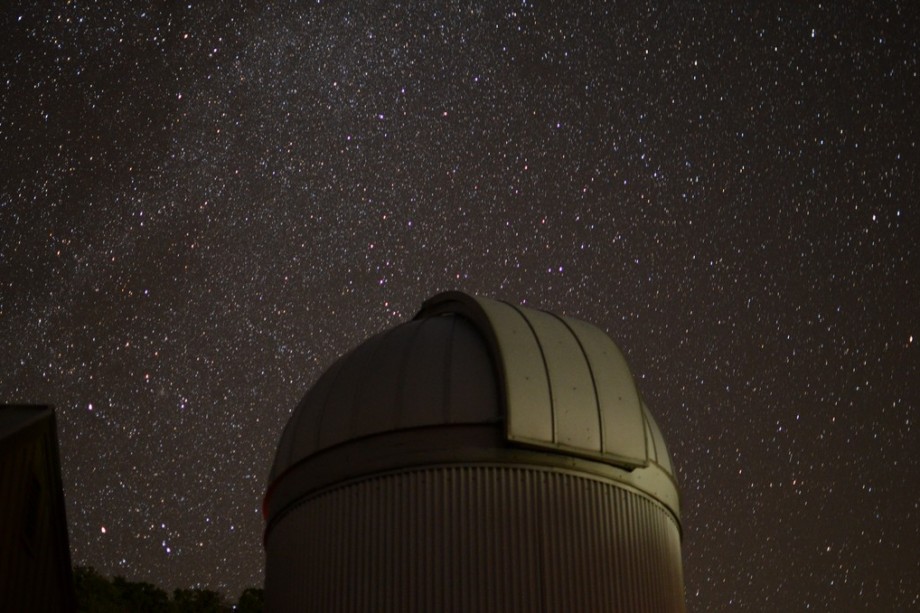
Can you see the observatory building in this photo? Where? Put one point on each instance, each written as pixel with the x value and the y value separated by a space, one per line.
pixel 481 457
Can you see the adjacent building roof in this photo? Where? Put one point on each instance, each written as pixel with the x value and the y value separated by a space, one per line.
pixel 35 570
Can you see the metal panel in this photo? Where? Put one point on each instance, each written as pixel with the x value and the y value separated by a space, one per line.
pixel 661 451
pixel 422 385
pixel 298 439
pixel 476 538
pixel 617 397
pixel 573 401
pixel 377 384
pixel 528 401
pixel 471 379
pixel 567 385
pixel 335 420
pixel 422 373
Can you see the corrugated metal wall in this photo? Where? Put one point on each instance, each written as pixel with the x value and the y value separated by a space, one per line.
pixel 476 538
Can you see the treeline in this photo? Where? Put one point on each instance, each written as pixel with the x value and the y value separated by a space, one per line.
pixel 97 593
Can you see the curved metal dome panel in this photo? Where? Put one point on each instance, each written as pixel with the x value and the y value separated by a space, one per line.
pixel 566 385
pixel 421 373
pixel 658 452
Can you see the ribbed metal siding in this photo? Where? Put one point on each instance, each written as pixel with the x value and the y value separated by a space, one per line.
pixel 476 538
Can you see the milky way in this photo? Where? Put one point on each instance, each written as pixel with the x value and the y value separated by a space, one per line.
pixel 202 207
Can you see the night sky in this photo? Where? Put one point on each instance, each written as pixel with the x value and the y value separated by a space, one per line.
pixel 203 205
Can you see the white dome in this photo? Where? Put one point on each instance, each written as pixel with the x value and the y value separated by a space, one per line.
pixel 549 383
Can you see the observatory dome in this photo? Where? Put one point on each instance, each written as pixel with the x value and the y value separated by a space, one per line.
pixel 472 395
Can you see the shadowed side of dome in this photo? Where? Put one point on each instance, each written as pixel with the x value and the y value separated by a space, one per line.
pixel 422 373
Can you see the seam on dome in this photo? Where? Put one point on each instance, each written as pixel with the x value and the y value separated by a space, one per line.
pixel 322 408
pixel 298 416
pixel 651 435
pixel 446 408
pixel 597 400
pixel 399 400
pixel 361 384
pixel 549 382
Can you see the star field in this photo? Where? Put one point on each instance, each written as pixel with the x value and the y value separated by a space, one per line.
pixel 202 206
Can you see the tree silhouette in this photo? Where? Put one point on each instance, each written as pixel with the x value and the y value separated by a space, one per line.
pixel 196 601
pixel 251 601
pixel 96 593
